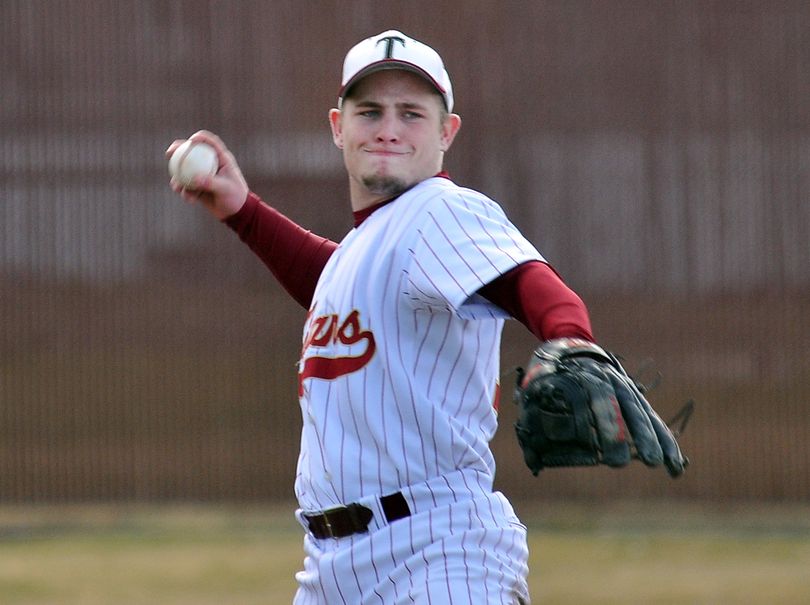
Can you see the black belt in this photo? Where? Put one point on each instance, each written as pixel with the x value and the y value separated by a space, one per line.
pixel 343 521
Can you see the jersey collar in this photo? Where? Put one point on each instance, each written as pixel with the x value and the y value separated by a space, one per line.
pixel 362 215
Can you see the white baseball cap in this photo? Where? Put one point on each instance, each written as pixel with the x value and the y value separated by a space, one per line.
pixel 394 50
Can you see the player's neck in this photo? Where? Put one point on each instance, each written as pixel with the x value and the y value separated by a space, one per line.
pixel 364 203
pixel 363 199
pixel 361 215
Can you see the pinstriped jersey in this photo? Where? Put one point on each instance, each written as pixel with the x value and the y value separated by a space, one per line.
pixel 400 357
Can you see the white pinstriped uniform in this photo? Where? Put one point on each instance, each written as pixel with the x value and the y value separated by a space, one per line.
pixel 398 376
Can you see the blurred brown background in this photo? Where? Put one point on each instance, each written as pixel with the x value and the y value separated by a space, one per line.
pixel 658 154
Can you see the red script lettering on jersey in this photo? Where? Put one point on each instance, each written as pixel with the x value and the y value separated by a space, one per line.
pixel 328 329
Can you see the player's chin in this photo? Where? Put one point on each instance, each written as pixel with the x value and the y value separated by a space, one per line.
pixel 385 184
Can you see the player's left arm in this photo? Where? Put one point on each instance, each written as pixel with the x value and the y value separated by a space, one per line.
pixel 534 294
pixel 623 422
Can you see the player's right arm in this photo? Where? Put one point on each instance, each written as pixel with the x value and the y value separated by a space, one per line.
pixel 294 255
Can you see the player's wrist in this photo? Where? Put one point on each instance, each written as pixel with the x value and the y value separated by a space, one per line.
pixel 230 204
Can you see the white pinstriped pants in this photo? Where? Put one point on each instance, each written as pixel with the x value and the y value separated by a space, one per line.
pixel 463 551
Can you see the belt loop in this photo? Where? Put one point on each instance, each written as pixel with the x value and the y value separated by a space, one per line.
pixel 327 525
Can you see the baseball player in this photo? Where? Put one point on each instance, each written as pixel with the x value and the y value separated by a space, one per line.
pixel 398 374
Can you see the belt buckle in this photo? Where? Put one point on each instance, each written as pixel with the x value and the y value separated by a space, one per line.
pixel 327 525
pixel 350 519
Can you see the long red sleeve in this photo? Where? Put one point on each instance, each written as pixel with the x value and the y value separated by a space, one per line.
pixel 536 296
pixel 294 255
pixel 532 292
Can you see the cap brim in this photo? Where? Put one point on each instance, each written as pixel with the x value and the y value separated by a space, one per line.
pixel 386 64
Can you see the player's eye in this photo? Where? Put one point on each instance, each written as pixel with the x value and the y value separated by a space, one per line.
pixel 412 115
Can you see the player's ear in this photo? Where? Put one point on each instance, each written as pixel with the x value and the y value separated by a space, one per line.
pixel 337 127
pixel 450 127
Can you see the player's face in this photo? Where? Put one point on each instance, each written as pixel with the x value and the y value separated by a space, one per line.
pixel 393 131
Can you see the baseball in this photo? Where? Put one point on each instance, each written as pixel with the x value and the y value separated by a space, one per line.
pixel 193 159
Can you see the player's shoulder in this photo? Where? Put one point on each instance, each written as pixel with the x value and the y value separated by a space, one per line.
pixel 443 194
pixel 443 185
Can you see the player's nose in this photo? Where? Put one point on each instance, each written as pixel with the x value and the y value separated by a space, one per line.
pixel 388 129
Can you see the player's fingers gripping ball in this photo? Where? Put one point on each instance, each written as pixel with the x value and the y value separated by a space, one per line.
pixel 578 407
pixel 191 161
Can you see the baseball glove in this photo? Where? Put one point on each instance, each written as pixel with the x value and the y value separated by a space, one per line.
pixel 579 407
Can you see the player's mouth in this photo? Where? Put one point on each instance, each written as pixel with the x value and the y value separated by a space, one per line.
pixel 385 153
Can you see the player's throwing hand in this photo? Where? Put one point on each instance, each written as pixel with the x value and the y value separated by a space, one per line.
pixel 223 193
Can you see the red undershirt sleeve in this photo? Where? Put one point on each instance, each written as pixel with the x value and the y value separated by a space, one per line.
pixel 535 295
pixel 294 255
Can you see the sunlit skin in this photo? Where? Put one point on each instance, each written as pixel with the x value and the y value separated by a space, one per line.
pixel 394 132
